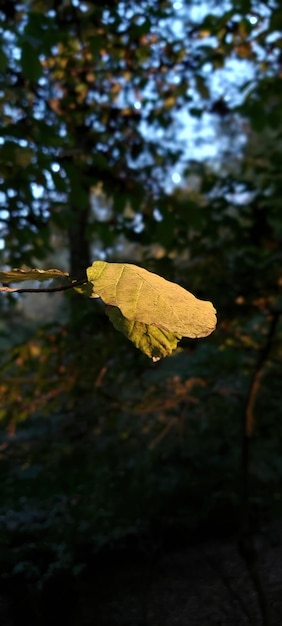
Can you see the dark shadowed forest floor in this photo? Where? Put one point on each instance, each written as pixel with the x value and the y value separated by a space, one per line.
pixel 205 584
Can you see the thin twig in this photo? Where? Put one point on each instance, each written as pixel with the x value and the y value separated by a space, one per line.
pixel 44 290
pixel 258 373
pixel 246 540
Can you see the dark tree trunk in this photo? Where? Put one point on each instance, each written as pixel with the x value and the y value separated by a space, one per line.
pixel 79 244
pixel 79 260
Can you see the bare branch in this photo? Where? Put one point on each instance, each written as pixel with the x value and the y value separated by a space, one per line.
pixel 44 290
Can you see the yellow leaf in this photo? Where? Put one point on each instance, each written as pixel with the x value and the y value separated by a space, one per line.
pixel 144 297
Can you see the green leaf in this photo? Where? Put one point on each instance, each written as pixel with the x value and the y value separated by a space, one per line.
pixel 155 342
pixel 31 66
pixel 18 275
pixel 275 20
pixel 3 61
pixel 145 297
pixel 202 87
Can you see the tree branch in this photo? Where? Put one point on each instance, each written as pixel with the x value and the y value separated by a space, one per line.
pixel 44 290
pixel 258 373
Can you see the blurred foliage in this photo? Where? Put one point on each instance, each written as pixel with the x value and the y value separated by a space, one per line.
pixel 97 443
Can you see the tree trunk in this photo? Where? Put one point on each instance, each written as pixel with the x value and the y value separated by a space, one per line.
pixel 79 260
pixel 79 244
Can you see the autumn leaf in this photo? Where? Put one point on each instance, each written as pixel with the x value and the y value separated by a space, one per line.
pixel 19 275
pixel 149 310
pixel 144 297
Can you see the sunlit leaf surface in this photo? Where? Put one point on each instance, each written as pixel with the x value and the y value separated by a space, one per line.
pixel 145 297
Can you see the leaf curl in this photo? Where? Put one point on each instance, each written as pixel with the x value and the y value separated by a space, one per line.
pixel 155 342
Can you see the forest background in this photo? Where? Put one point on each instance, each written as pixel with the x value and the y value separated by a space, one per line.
pixel 150 133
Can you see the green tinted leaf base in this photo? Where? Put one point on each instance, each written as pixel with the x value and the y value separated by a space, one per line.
pixel 155 342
